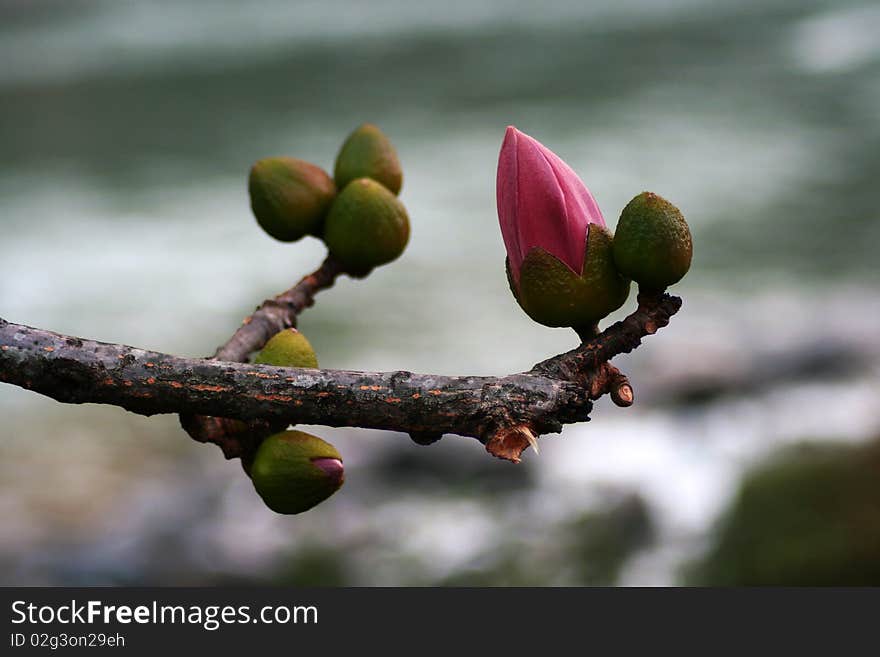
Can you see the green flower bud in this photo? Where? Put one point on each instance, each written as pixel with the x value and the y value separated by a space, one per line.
pixel 367 226
pixel 653 243
pixel 289 348
pixel 293 471
pixel 290 197
pixel 368 153
pixel 554 295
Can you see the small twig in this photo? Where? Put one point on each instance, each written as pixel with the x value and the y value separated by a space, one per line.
pixel 652 314
pixel 277 314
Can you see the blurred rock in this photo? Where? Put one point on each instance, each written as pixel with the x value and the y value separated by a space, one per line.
pixel 832 359
pixel 589 550
pixel 464 470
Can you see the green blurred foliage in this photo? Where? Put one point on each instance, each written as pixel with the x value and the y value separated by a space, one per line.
pixel 810 517
pixel 601 542
pixel 314 565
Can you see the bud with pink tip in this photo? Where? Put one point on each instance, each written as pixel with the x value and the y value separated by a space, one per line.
pixel 558 248
pixel 293 471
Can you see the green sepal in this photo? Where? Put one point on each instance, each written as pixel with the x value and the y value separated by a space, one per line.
pixel 552 294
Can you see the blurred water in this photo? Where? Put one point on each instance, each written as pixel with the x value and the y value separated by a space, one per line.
pixel 127 130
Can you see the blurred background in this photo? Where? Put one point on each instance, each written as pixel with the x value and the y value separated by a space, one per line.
pixel 127 130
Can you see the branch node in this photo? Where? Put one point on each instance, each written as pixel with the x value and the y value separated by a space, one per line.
pixel 622 394
pixel 509 443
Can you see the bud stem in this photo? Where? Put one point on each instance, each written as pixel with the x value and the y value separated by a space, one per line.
pixel 587 333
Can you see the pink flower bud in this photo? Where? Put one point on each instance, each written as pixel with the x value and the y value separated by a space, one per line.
pixel 542 203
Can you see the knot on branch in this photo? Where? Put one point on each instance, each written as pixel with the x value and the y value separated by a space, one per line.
pixel 510 442
pixel 235 438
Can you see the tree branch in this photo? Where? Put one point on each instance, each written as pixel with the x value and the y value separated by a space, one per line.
pixel 237 438
pixel 505 413
pixel 275 315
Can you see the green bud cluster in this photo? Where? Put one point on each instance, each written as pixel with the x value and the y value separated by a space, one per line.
pixel 356 213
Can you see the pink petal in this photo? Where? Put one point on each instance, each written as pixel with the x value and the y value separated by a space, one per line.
pixel 541 203
pixel 542 217
pixel 578 199
pixel 506 199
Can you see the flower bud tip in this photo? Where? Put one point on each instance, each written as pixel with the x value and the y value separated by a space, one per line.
pixel 332 468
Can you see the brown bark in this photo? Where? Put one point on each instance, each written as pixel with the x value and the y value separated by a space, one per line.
pixel 505 413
